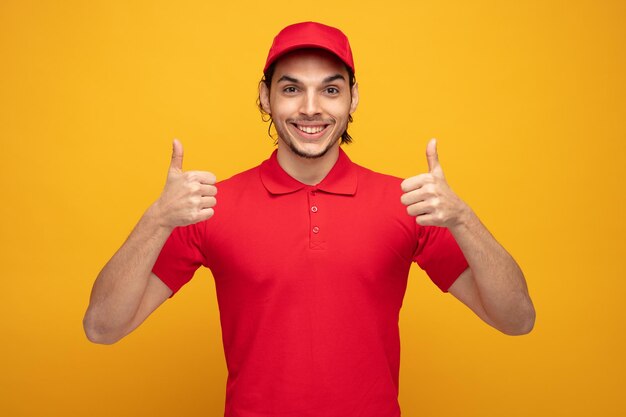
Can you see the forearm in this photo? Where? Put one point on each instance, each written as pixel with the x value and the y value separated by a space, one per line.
pixel 500 281
pixel 119 288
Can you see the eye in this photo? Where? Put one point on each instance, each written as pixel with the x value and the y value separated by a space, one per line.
pixel 289 90
pixel 332 90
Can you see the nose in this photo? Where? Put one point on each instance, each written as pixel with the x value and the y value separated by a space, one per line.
pixel 310 104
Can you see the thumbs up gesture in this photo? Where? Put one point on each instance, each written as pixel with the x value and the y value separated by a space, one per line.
pixel 429 198
pixel 188 197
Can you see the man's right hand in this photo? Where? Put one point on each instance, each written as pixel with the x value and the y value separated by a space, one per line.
pixel 188 197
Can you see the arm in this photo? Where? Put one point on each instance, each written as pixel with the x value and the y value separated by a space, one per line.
pixel 494 281
pixel 493 286
pixel 126 291
pixel 125 283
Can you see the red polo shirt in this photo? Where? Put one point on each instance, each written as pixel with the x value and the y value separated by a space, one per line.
pixel 310 281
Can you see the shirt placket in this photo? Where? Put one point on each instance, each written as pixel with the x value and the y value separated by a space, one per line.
pixel 317 230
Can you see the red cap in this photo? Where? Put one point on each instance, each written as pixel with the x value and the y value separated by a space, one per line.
pixel 310 35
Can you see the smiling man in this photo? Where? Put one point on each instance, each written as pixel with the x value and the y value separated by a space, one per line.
pixel 310 98
pixel 310 112
pixel 310 252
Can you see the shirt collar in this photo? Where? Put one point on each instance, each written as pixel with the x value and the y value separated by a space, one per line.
pixel 342 178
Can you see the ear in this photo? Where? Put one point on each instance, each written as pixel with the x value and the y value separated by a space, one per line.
pixel 355 98
pixel 264 97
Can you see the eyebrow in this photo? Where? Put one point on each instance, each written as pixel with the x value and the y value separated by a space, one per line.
pixel 326 80
pixel 334 77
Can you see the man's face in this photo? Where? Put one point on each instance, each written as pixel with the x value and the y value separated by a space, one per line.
pixel 309 101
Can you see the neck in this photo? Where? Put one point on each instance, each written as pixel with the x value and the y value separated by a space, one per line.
pixel 310 171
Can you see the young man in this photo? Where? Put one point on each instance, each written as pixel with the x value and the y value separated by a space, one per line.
pixel 310 252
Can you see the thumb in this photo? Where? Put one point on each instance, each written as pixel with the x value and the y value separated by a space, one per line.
pixel 177 156
pixel 433 158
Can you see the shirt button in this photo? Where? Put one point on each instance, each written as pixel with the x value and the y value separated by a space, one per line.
pixel 316 229
pixel 314 209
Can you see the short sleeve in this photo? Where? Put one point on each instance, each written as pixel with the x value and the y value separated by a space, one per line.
pixel 180 257
pixel 439 255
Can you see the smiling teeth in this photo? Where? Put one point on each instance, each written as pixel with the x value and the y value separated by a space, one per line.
pixel 311 129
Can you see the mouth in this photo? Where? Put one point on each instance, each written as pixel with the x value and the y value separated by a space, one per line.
pixel 310 130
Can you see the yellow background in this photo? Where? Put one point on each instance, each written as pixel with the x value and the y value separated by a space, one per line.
pixel 527 98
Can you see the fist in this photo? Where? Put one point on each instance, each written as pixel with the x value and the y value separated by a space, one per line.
pixel 428 196
pixel 188 197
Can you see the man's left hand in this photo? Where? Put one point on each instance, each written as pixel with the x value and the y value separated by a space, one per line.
pixel 429 198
